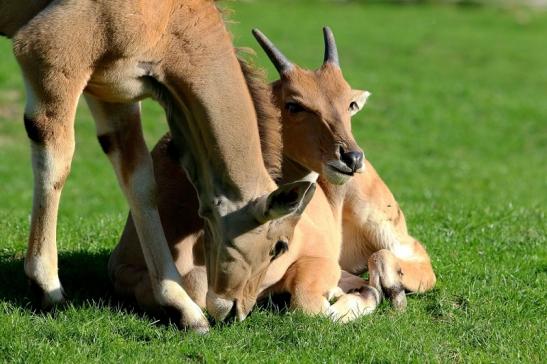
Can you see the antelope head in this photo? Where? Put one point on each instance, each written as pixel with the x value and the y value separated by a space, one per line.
pixel 316 110
pixel 236 269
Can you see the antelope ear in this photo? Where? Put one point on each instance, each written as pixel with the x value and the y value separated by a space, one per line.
pixel 358 100
pixel 290 198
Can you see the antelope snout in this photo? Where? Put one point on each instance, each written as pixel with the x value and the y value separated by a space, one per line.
pixel 353 160
pixel 218 307
pixel 346 164
pixel 223 309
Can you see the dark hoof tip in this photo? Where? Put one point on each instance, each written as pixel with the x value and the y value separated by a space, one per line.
pixel 42 301
pixel 174 316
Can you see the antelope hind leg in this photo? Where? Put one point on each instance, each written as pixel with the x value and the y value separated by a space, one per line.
pixel 120 135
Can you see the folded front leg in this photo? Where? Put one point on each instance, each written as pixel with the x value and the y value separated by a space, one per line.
pixel 313 285
pixel 397 271
pixel 312 281
pixel 358 298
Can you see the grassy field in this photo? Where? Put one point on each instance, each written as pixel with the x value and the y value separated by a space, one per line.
pixel 457 126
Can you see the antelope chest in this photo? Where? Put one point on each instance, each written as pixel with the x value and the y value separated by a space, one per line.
pixel 119 82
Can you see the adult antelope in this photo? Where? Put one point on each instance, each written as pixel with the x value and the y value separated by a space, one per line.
pixel 305 264
pixel 118 52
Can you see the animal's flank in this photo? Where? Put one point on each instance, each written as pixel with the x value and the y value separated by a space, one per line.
pixel 268 115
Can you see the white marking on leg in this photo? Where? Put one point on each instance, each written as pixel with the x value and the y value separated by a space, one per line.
pixel 47 279
pixel 350 307
pixel 382 235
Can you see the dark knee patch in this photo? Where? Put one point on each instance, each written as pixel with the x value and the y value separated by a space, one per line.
pixel 61 181
pixel 106 143
pixel 125 142
pixel 35 133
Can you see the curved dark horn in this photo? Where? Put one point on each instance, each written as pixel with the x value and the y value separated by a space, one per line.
pixel 331 52
pixel 281 63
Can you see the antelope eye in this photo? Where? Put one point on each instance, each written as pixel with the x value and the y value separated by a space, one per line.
pixel 353 106
pixel 293 107
pixel 279 249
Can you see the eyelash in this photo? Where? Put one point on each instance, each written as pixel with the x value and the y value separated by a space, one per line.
pixel 294 107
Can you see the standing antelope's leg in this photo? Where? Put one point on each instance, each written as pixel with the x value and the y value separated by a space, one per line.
pixel 133 281
pixel 129 275
pixel 120 135
pixel 49 122
pixel 56 64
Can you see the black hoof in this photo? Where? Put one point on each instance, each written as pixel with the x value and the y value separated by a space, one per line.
pixel 42 301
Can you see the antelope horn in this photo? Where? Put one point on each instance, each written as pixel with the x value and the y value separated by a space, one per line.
pixel 281 63
pixel 331 53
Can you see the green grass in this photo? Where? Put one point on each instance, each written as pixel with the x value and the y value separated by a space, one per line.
pixel 457 127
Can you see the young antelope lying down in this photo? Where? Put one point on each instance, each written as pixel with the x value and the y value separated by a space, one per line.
pixel 315 109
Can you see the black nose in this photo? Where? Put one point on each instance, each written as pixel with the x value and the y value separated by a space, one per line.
pixel 354 160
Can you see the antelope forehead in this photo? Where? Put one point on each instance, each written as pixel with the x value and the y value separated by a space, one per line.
pixel 301 84
pixel 327 96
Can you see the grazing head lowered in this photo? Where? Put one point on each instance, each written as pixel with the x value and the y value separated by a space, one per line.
pixel 316 109
pixel 235 269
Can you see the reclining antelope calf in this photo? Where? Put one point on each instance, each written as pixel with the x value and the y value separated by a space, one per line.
pixel 375 235
pixel 178 52
pixel 315 109
pixel 305 263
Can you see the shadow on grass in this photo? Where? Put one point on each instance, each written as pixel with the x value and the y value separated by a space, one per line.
pixel 83 275
pixel 85 281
